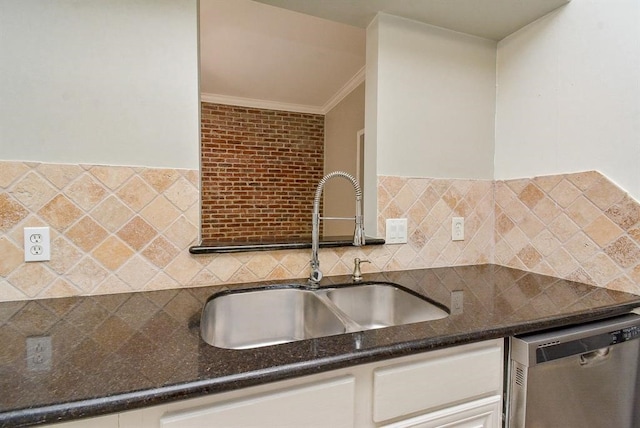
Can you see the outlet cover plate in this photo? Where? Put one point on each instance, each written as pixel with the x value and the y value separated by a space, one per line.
pixel 37 244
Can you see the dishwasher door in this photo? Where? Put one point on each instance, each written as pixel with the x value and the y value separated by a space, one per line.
pixel 577 377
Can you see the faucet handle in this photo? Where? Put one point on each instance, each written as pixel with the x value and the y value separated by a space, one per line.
pixel 357 273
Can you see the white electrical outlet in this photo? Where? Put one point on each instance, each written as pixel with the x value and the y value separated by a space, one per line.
pixel 396 231
pixel 457 229
pixel 37 244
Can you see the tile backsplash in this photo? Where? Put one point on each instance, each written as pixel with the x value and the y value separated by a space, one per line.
pixel 576 226
pixel 119 229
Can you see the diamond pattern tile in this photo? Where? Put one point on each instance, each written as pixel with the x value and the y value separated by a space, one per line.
pixel 119 229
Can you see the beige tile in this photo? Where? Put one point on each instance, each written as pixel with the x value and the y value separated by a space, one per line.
pixel 516 211
pixel 262 264
pixel 603 231
pixel 161 281
pixel 624 252
pixel 625 213
pixel 10 257
pixel 112 253
pixel 182 233
pixel 160 213
pixel 418 185
pixel 547 182
pixel 137 233
pixel 383 198
pixel 531 226
pixel 581 247
pixel 530 195
pixel 86 192
pixel 136 272
pixel 562 262
pixel 404 199
pixel 87 275
pixel 160 252
pixel 33 191
pixel 160 178
pixel 563 228
pixel 584 180
pixel 60 175
pixel 111 214
pixel 635 233
pixel 393 184
pixel 60 212
pixel 547 210
pixel 601 268
pixel 193 175
pixel 429 197
pixel 58 288
pixel 136 194
pixel 582 211
pixel 604 193
pixel 224 266
pixel 503 224
pixel 64 255
pixel 31 278
pixel 113 285
pixel 545 243
pixel 111 176
pixel 10 172
pixel 452 197
pixel 11 212
pixel 183 268
pixel 86 233
pixel 565 193
pixel 529 256
pixel 518 185
pixel 183 194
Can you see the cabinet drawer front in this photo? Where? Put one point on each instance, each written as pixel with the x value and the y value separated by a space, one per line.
pixel 451 376
pixel 484 413
pixel 326 404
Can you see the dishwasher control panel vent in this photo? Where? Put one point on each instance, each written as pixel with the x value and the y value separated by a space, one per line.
pixel 519 375
pixel 553 342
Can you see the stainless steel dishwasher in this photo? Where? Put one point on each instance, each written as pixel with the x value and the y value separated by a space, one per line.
pixel 576 377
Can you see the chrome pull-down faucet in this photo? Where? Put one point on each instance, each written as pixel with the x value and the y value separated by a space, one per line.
pixel 358 234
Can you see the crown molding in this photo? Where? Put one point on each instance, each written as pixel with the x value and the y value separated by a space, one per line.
pixel 255 103
pixel 348 87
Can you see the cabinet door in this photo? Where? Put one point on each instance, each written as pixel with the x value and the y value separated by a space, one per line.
pixel 325 404
pixel 485 413
pixel 453 375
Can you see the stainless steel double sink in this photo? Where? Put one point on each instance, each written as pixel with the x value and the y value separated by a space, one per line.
pixel 253 318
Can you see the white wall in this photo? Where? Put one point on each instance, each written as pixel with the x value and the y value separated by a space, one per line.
pixel 341 126
pixel 435 100
pixel 106 82
pixel 569 94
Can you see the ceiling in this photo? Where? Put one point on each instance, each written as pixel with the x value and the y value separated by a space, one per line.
pixel 489 19
pixel 305 55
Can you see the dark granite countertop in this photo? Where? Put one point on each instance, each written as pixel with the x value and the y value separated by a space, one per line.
pixel 119 352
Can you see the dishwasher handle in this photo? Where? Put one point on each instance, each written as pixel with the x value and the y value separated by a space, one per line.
pixel 593 358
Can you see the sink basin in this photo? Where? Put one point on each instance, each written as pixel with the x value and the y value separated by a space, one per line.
pixel 268 316
pixel 383 305
pixel 252 319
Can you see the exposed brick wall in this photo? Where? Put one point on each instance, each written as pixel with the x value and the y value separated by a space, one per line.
pixel 259 172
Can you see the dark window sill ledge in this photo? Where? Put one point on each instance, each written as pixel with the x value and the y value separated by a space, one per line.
pixel 294 244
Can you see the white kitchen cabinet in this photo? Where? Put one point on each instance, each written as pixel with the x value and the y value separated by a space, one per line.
pixel 454 387
pixel 484 413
